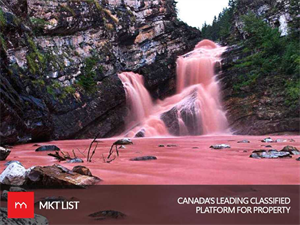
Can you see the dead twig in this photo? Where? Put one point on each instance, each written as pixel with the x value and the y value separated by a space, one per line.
pixel 91 144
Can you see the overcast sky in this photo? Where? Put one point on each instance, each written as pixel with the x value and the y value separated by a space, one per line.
pixel 196 12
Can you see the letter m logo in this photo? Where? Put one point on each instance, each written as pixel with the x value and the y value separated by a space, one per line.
pixel 20 205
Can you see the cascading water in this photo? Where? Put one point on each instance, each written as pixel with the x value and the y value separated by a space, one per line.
pixel 195 109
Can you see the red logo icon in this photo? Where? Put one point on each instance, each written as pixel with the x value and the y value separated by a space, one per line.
pixel 20 205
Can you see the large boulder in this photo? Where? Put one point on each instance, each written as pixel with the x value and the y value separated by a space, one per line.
pixel 82 170
pixel 57 176
pixel 37 220
pixel 14 174
pixel 4 152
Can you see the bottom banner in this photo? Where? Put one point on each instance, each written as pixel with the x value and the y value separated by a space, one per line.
pixel 159 204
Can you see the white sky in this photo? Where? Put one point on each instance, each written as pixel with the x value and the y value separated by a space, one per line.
pixel 196 12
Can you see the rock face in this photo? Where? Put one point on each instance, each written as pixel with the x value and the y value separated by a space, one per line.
pixel 37 220
pixel 263 111
pixel 60 59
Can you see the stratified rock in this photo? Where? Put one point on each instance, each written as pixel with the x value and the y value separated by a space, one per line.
pixel 14 174
pixel 37 220
pixel 75 160
pixel 12 161
pixel 291 149
pixel 243 141
pixel 144 158
pixel 47 148
pixel 140 134
pixel 271 154
pixel 221 146
pixel 4 152
pixel 107 214
pixel 82 170
pixel 267 140
pixel 57 176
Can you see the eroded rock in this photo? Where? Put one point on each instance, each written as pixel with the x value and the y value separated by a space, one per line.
pixel 57 176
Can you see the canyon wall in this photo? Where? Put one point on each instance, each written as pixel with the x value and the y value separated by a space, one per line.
pixel 60 60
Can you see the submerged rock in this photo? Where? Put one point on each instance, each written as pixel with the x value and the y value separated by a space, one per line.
pixel 144 158
pixel 161 146
pixel 221 146
pixel 243 141
pixel 82 170
pixel 14 174
pixel 271 154
pixel 4 152
pixel 37 220
pixel 108 214
pixel 47 148
pixel 170 146
pixel 292 150
pixel 59 177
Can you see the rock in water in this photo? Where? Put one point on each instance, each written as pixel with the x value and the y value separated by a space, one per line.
pixel 124 141
pixel 108 214
pixel 57 176
pixel 291 149
pixel 4 152
pixel 243 141
pixel 37 220
pixel 298 159
pixel 14 174
pixel 47 148
pixel 140 134
pixel 221 146
pixel 267 140
pixel 13 161
pixel 82 170
pixel 144 158
pixel 75 160
pixel 271 154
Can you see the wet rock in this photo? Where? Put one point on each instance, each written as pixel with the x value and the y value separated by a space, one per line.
pixel 37 220
pixel 161 146
pixel 267 140
pixel 298 159
pixel 47 148
pixel 144 158
pixel 221 146
pixel 13 161
pixel 82 170
pixel 57 176
pixel 4 152
pixel 14 174
pixel 292 150
pixel 195 148
pixel 140 134
pixel 124 141
pixel 271 154
pixel 170 119
pixel 75 160
pixel 107 214
pixel 243 141
pixel 268 146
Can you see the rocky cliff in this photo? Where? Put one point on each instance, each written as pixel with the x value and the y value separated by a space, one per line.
pixel 260 108
pixel 60 59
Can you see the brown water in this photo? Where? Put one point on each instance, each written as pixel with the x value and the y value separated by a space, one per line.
pixel 196 104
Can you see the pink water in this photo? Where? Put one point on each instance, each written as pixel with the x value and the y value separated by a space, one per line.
pixel 195 109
